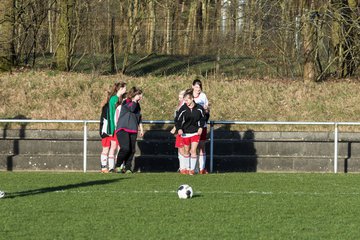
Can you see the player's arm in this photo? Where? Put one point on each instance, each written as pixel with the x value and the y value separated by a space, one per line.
pixel 203 118
pixel 206 104
pixel 173 130
pixel 141 129
pixel 112 107
pixel 179 120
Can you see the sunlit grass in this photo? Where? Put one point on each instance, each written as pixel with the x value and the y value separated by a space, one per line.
pixel 57 95
pixel 146 206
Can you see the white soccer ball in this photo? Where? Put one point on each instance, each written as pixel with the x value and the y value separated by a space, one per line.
pixel 2 194
pixel 185 191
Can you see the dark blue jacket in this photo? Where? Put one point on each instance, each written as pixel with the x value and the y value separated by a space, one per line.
pixel 130 117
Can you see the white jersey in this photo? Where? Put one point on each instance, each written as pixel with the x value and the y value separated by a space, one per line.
pixel 188 135
pixel 203 101
pixel 178 107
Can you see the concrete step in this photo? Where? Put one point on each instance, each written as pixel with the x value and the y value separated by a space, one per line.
pixel 169 163
pixel 59 162
pixel 159 134
pixel 233 151
pixel 166 147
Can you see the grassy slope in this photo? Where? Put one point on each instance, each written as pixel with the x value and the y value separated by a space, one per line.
pixel 145 206
pixel 54 95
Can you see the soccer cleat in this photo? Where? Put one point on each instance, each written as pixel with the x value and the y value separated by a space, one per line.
pixel 112 170
pixel 104 170
pixel 122 166
pixel 203 171
pixel 191 172
pixel 128 172
pixel 183 171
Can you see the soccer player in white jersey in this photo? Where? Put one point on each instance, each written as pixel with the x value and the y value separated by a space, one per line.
pixel 201 99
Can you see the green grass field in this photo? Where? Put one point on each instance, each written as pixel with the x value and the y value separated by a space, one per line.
pixel 146 206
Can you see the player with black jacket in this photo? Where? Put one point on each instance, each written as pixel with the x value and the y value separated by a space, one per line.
pixel 189 122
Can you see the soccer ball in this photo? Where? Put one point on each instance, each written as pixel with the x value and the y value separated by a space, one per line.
pixel 2 194
pixel 185 191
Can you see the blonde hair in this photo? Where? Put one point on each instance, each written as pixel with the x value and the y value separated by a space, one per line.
pixel 189 92
pixel 182 92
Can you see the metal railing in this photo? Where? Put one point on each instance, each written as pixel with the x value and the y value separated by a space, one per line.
pixel 212 123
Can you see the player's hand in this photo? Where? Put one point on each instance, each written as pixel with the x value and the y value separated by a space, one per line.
pixel 122 91
pixel 180 132
pixel 207 108
pixel 173 130
pixel 199 131
pixel 136 98
pixel 141 133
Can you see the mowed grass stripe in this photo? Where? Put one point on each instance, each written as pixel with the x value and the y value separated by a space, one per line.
pixel 145 206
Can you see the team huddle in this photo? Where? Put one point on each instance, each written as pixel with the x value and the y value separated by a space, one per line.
pixel 121 121
pixel 119 125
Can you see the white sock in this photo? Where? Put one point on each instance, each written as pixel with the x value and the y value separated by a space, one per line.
pixel 193 163
pixel 111 162
pixel 202 161
pixel 186 162
pixel 181 162
pixel 103 160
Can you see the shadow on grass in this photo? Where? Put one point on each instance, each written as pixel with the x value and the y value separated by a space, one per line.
pixel 60 188
pixel 163 65
pixel 197 195
pixel 169 65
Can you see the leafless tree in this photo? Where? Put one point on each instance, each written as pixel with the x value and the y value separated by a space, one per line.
pixel 313 39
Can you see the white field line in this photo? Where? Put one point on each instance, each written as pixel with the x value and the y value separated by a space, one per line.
pixel 210 192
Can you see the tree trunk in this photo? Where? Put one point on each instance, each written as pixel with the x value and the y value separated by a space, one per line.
pixel 122 27
pixel 63 35
pixel 190 29
pixel 217 37
pixel 239 21
pixel 217 23
pixel 112 47
pixel 309 72
pixel 50 26
pixel 258 31
pixel 152 27
pixel 55 23
pixel 109 23
pixel 250 24
pixel 179 37
pixel 132 32
pixel 169 27
pixel 285 38
pixel 133 19
pixel 6 33
pixel 68 33
pixel 206 6
pixel 344 36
